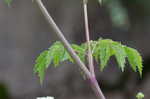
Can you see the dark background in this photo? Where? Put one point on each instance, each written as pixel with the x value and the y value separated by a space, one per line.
pixel 24 33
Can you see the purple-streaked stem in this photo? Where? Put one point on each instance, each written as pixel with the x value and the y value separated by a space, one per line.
pixel 92 80
pixel 90 58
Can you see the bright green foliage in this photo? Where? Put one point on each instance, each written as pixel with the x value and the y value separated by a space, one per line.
pixel 134 59
pixel 140 95
pixel 107 48
pixel 8 2
pixel 41 64
pixel 119 53
pixel 80 51
pixel 102 50
pixel 55 54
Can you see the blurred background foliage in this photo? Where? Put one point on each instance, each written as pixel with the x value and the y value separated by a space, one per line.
pixel 118 10
pixel 4 94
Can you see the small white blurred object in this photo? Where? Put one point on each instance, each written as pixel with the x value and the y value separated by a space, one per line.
pixel 48 97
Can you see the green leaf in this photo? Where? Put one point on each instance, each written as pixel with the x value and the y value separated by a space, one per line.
pixel 58 53
pixel 42 63
pixel 119 53
pixel 105 52
pixel 80 50
pixel 66 56
pixel 134 59
pixel 105 48
pixel 55 54
pixel 102 50
pixel 96 50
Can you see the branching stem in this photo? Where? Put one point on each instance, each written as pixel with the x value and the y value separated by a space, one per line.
pixel 90 58
pixel 68 47
pixel 62 38
pixel 93 81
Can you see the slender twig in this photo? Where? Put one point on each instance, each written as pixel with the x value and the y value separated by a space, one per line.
pixel 62 38
pixel 90 58
pixel 93 80
pixel 66 44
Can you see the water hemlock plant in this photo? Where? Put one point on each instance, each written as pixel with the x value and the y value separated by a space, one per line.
pixel 100 50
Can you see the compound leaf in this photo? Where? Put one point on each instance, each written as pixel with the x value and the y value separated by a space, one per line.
pixel 102 50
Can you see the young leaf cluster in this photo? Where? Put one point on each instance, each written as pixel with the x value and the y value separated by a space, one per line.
pixel 102 50
pixel 53 56
pixel 105 48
